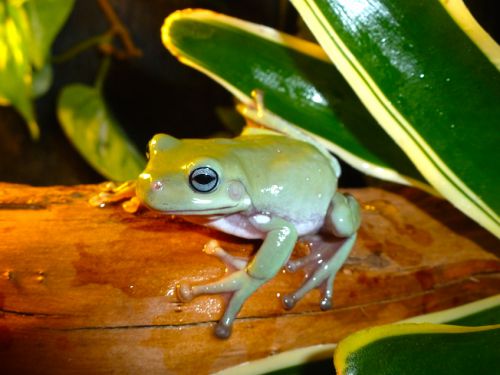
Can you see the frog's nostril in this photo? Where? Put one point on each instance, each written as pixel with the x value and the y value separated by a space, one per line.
pixel 157 186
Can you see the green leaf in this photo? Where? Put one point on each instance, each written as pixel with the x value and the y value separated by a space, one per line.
pixel 98 137
pixel 420 349
pixel 433 88
pixel 478 313
pixel 27 30
pixel 15 67
pixel 317 359
pixel 46 18
pixel 304 95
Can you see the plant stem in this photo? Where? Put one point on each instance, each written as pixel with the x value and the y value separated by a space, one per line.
pixel 103 72
pixel 104 40
pixel 119 29
pixel 82 46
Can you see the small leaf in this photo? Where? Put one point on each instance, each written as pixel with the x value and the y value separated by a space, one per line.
pixel 98 137
pixel 46 18
pixel 15 67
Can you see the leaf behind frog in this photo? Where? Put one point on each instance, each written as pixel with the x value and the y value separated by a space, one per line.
pixel 95 133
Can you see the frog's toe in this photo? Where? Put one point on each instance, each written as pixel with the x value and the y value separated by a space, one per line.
pixel 184 292
pixel 132 205
pixel 98 200
pixel 222 331
pixel 325 303
pixel 291 267
pixel 327 293
pixel 107 186
pixel 289 301
pixel 211 247
pixel 110 193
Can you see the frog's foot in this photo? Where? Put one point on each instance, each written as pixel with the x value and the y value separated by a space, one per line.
pixel 253 110
pixel 321 267
pixel 111 193
pixel 212 247
pixel 239 285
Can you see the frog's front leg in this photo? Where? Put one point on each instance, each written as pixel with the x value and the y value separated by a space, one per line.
pixel 235 263
pixel 111 193
pixel 343 220
pixel 280 238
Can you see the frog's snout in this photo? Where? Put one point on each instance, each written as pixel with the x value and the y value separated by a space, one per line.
pixel 147 186
pixel 157 186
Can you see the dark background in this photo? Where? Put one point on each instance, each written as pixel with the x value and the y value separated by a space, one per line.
pixel 151 94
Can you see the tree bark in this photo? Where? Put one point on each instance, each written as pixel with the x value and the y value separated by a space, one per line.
pixel 87 290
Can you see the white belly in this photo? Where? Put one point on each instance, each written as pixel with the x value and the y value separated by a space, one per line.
pixel 237 225
pixel 240 226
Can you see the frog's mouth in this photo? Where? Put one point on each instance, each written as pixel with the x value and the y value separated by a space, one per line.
pixel 214 211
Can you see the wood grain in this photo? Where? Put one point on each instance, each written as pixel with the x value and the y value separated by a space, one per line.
pixel 86 290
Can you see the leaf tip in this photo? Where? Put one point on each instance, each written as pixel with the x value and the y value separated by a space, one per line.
pixel 34 130
pixel 165 31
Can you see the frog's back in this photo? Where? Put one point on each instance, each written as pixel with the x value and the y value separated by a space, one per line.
pixel 285 174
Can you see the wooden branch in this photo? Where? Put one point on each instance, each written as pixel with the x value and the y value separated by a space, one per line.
pixel 86 290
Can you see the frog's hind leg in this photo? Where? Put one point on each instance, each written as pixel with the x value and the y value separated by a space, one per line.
pixel 319 250
pixel 342 221
pixel 321 273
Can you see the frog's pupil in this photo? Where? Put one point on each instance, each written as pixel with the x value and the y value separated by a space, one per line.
pixel 203 179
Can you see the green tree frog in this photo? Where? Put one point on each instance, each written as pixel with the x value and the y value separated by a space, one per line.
pixel 260 185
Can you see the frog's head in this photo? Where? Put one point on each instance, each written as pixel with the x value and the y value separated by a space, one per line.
pixel 191 177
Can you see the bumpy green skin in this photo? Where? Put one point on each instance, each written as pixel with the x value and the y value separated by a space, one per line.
pixel 280 175
pixel 269 187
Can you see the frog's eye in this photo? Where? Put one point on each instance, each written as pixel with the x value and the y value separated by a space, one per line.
pixel 203 179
